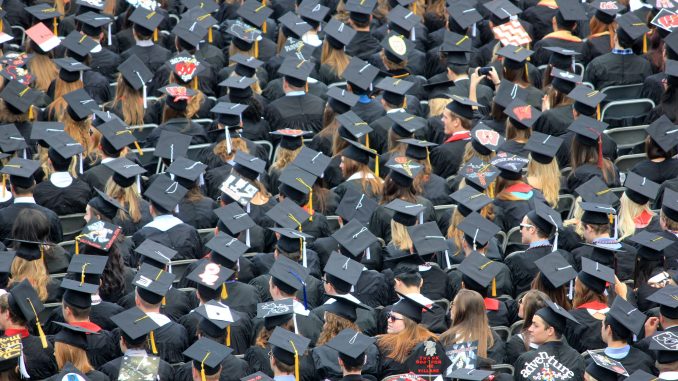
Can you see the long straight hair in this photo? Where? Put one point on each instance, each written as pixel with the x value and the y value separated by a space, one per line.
pixel 469 322
pixel 546 178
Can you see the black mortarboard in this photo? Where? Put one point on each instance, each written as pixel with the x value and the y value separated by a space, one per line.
pixel 288 274
pixel 248 166
pixel 125 171
pixel 670 204
pixel 360 10
pixel 21 171
pixel 667 298
pixel 311 161
pixel 19 97
pixel 596 191
pixel 403 170
pixel 411 307
pixel 555 269
pixel 116 134
pixel 586 100
pixel 640 189
pixel 165 193
pixel 350 343
pixel 11 139
pixel 189 32
pixel 562 58
pixel 312 12
pixel 293 25
pixel 172 145
pixel 405 212
pixel 234 218
pixel 207 356
pixel 564 81
pixel 543 147
pixel 514 56
pixel 187 170
pixel 501 10
pixel 79 45
pixel 91 266
pixel 405 124
pixel 106 205
pixel 288 214
pixel 417 149
pixel 291 139
pixel 43 11
pixel 356 205
pixel 427 238
pixel 664 133
pixel 394 90
pixel 509 92
pixel 155 254
pixel 478 231
pixel 479 271
pixel 134 71
pixel 402 20
pixel 352 127
pixel 152 283
pixel 291 240
pixel 438 87
pixel 485 140
pixel 556 316
pixel 545 218
pixel 296 70
pixel 286 346
pixel 100 235
pixel 296 183
pixel 354 238
pixel 595 276
pixel 63 147
pixel 6 260
pixel 597 213
pixel 641 375
pixel 146 20
pixel 468 200
pixel 245 66
pixel 630 28
pixel 607 10
pixel 42 130
pixel 360 73
pixel 462 106
pixel 522 114
pixel 464 14
pixel 627 315
pixel 456 48
pixel 254 12
pixel 587 130
pixel 604 368
pixel 343 272
pixel 226 247
pixel 358 152
pixel 78 293
pixel 341 100
pixel 345 306
pixel 664 343
pixel 70 70
pixel 80 104
pixel 338 34
pixel 92 23
pixel 571 10
pixel 650 244
pixel 134 324
pixel 230 114
pixel 470 374
pixel 73 335
pixel 24 301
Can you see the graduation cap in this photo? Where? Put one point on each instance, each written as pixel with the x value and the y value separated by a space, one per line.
pixel 640 189
pixel 438 87
pixel 18 97
pixel 360 153
pixel 522 115
pixel 510 166
pixel 394 90
pixel 152 283
pixel 501 10
pixel 79 45
pixel 311 161
pixel 607 10
pixel 624 314
pixel 479 271
pixel 288 214
pixel 207 356
pixel 226 247
pixel 345 306
pixel 595 276
pixel 597 213
pixel 246 66
pixel 470 374
pixel 41 36
pixel 155 254
pixel 146 21
pixel 260 376
pixel 106 205
pixel 405 124
pixel 564 81
pixel 667 298
pixel 411 307
pixel 177 97
pixel 6 260
pixel 248 166
pixel 464 14
pixel 235 219
pixel 403 21
pixel 463 107
pixel 11 139
pixel 20 171
pixel 216 318
pixel 70 70
pixel 100 235
pixel 605 368
pixel 292 241
pixel 230 114
pixel 244 35
pixel 172 145
pixel 288 347
pixel 468 200
pixel 596 191
pixel 555 315
pixel 417 149
pixel 665 344
pixel 18 74
pixel 641 375
pixel 588 130
pixel 289 276
pixel 479 174
pixel 570 11
pixel 165 193
pixel 62 147
pixel 360 10
pixel 478 231
pixel 562 58
pixel 135 73
pixel 486 140
pixel 356 205
pixel 343 272
pixel 275 312
pixel 456 48
pixel 186 171
pixel 403 170
pixel 406 213
pixel 650 244
pixel 312 12
pixel 239 88
pixel 43 11
pixel 293 25
pixel 664 133
pixel 24 301
pixel 665 22
pixel 338 34
pixel 427 238
pixel 78 293
pixel 670 204
pixel 341 100
pixel 73 335
pixel 92 23
pixel 134 324
pixel 543 147
pixel 351 345
pixel 42 130
pixel 87 268
pixel 291 139
pixel 352 127
pixel 254 12
pixel 80 104
pixel 586 100
pixel 10 352
pixel 125 171
pixel 555 270
pixel 359 73
pixel 189 32
pixel 297 184
pixel 546 219
pixel 211 276
pixel 116 136
pixel 354 238
pixel 630 28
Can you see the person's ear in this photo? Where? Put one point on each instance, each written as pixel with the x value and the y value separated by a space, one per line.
pixel 421 283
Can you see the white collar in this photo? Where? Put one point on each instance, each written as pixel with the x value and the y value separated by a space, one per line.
pixel 311 39
pixel 107 159
pixel 668 375
pixel 61 179
pixel 97 49
pixel 360 175
pixel 295 93
pixel 158 318
pixel 145 43
pixel 96 299
pixel 164 222
pixel 461 79
pixel 24 200
pixel 299 308
pixel 391 111
pixel 8 196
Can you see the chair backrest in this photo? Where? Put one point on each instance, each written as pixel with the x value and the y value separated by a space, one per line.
pixel 268 145
pixel 334 222
pixel 179 267
pixel 206 234
pixel 512 236
pixel 516 327
pixel 626 162
pixel 565 172
pixel 622 92
pixel 565 206
pixel 341 85
pixel 72 224
pixel 451 207
pixel 625 111
pixel 141 132
pixel 423 108
pixel 503 331
pixel 205 122
pixel 627 137
pixel 17 30
pixel 113 88
pixel 579 68
pixel 501 239
pixel 504 368
pixel 148 160
pixel 193 152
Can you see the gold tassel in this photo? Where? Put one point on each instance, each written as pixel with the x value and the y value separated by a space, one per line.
pixel 4 185
pixel 224 291
pixel 195 83
pixel 310 205
pixel 367 140
pixel 256 49
pixel 610 217
pixel 376 166
pixel 209 35
pixel 1 26
pixel 598 112
pixel 228 335
pixel 428 157
pixel 82 274
pixel 527 74
pixel 296 361
pixel 54 25
pixel 494 287
pixel 77 244
pixel 30 110
pixel 164 301
pixel 154 349
pixel 263 27
pixel 414 7
pixel 138 147
pixel 306 86
pixel 155 35
pixel 41 333
pixel 644 43
pixel 405 103
pixel 202 366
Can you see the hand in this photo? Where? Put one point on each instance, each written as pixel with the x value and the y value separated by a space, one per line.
pixel 651 325
pixel 476 78
pixel 545 104
pixel 494 77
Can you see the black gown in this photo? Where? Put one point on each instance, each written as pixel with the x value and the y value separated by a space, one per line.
pixel 182 237
pixel 96 86
pixel 199 214
pixel 522 267
pixel 368 110
pixel 564 363
pixel 446 158
pixel 512 212
pixel 623 262
pixel 232 369
pixel 105 62
pixel 363 45
pixel 327 366
pixel 171 341
pixel 241 330
pixel 112 369
pixel 586 171
pixel 9 214
pixel 613 69
pixel 586 334
pixel 182 126
pixel 152 56
pixel 657 171
pixel 504 282
pixel 129 227
pixel 62 201
pixel 177 304
pixel 638 360
pixel 555 121
pixel 97 176
pixel 304 112
pixel 40 363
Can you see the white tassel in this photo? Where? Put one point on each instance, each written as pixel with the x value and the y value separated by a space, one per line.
pixel 294 320
pixel 474 30
pixel 139 184
pixel 80 163
pixel 570 293
pixel 25 156
pixel 304 259
pixel 201 180
pixel 110 37
pixel 555 242
pixel 447 260
pixel 247 237
pixel 367 253
pixel 228 141
pixel 421 218
pixel 143 90
pixel 22 365
pixel 412 35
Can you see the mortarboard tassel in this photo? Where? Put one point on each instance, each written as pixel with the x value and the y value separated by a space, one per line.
pixel 263 27
pixel 644 43
pixel 447 260
pixel 110 36
pixel 155 35
pixel 570 293
pixel 309 204
pixel 376 166
pixel 256 49
pixel 30 113
pixel 296 361
pixel 151 337
pixel 195 83
pixel 202 366
pixel 367 253
pixel 54 25
pixel 224 291
pixel 4 186
pixel 209 35
pixel 405 103
pixel 228 335
pixel 77 244
pixel 82 273
pixel 598 112
pixel 367 140
pixel 428 157
pixel 41 333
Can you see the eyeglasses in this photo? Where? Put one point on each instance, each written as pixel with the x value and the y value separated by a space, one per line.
pixel 525 226
pixel 392 318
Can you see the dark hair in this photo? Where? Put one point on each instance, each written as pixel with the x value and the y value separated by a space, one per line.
pixel 393 191
pixel 669 102
pixel 645 268
pixel 113 277
pixel 78 313
pixel 409 278
pixel 584 154
pixel 255 111
pixel 31 225
pixel 654 151
pixel 458 69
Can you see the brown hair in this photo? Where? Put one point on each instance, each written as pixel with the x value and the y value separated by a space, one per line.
pixel 515 133
pixel 374 183
pixel 265 334
pixel 583 294
pixel 195 102
pixel 43 69
pixel 333 325
pixel 533 300
pixel 336 59
pixel 557 295
pixel 237 145
pixel 57 109
pixel 469 322
pixel 66 353
pixel 598 27
pixel 398 346
pixel 583 154
pixel 131 103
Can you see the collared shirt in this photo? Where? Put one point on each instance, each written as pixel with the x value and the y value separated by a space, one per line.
pixel 164 222
pixel 136 353
pixel 284 378
pixel 618 353
pixel 24 200
pixel 158 318
pixel 540 243
pixel 145 43
pixel 668 376
pixel 61 179
pixel 295 93
pixel 107 159
pixel 622 52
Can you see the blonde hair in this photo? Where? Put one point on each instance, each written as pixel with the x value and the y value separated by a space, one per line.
pixel 285 157
pixel 628 211
pixel 546 178
pixel 336 59
pixel 436 106
pixel 577 212
pixel 66 353
pixel 48 169
pixel 470 153
pixel 469 322
pixel 34 271
pixel 80 132
pixel 57 109
pixel 454 233
pixel 400 237
pixel 131 103
pixel 43 69
pixel 127 197
pixel 515 133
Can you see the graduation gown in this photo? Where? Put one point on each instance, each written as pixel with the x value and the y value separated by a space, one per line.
pixel 199 214
pixel 586 334
pixel 379 134
pixel 182 126
pixel 636 359
pixel 232 369
pixel 555 121
pixel 327 366
pixel 112 369
pixel 522 267
pixel 513 211
pixel 241 296
pixel 263 262
pixel 96 86
pixel 657 171
pixel 153 56
pixel 447 157
pixel 368 109
pixel 614 69
pixel 129 227
pixel 177 304
pixel 503 281
pixel 303 112
pixel 105 62
pixel 171 341
pixel 595 46
pixel 623 262
pixel 561 39
pixel 173 233
pixel 515 346
pixel 363 45
pixel 97 176
pixel 380 223
pixel 563 155
pixel 540 16
pixel 552 359
pixel 63 200
pixel 40 362
pixel 241 330
pixel 9 214
pixel 586 171
pixel 365 318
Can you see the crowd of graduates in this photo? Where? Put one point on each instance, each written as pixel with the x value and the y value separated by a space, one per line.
pixel 337 190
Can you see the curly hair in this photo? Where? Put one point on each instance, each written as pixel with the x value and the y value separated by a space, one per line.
pixel 333 325
pixel 113 277
pixel 265 334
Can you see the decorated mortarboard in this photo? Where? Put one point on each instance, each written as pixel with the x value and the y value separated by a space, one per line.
pixel 511 33
pixel 80 104
pixel 463 107
pixel 79 44
pixel 258 376
pixel 665 20
pixel 165 193
pixel 216 318
pixel 595 276
pixel 522 115
pixel 297 48
pixel 556 316
pixel 355 238
pixel 19 97
pixel 24 301
pixel 485 140
pixel 596 191
pixel 213 276
pixel 664 133
pixel 403 170
pixel 156 254
pixel 468 200
pixel 640 189
pixel 342 271
pixel 338 34
pixel 411 307
pixel 254 12
pixel 360 73
pixel 207 356
pixel 510 166
pixel 275 312
pixel 172 145
pixel 135 324
pixel 556 270
pixel 177 97
pixel 607 10
pixel 135 73
pixel 43 37
pixel 10 352
pixel 187 169
pixel 100 235
pixel 631 27
pixel 351 343
pixel 604 368
pixel 239 189
pixel 291 139
pixel 543 147
pixel 478 230
pixel 226 247
pixel 288 214
pixel 666 345
pixel 18 74
pixel 152 283
pixel 356 205
pixel 479 174
pixel 351 126
pixel 406 213
pixel 586 100
pixel 244 35
pixel 15 59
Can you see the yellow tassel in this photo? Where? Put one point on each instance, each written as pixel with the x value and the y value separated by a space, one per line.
pixel 4 186
pixel 611 218
pixel 202 366
pixel 263 2
pixel 644 43
pixel 367 140
pixel 155 35
pixel 138 147
pixel 77 245
pixel 224 291
pixel 527 74
pixel 428 157
pixel 376 166
pixel 209 35
pixel 30 109
pixel 54 25
pixel 405 103
pixel 414 7
pixel 164 301
pixel 598 112
pixel 43 339
pixel 228 335
pixel 494 287
pixel 296 361
pixel 1 25
pixel 195 83
pixel 263 27
pixel 256 49
pixel 82 274
pixel 154 349
pixel 310 205
pixel 306 87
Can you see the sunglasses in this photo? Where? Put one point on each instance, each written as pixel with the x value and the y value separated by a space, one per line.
pixel 393 318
